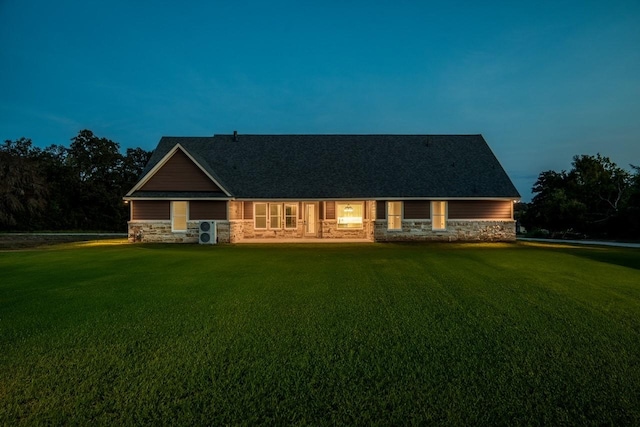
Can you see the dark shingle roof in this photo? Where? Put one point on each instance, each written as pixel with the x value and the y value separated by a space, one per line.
pixel 347 166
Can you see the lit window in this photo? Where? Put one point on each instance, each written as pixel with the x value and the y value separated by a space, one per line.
pixel 275 212
pixel 290 216
pixel 179 216
pixel 438 215
pixel 394 216
pixel 260 215
pixel 349 215
pixel 269 216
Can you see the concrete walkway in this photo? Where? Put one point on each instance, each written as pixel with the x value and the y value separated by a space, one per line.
pixel 581 242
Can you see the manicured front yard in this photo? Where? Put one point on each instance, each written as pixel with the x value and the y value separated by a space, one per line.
pixel 326 334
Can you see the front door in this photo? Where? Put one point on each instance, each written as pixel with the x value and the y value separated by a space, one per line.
pixel 310 219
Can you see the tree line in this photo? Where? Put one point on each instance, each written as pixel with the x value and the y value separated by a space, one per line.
pixel 596 198
pixel 79 187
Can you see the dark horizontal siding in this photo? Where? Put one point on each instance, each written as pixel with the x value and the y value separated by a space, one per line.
pixel 479 209
pixel 417 209
pixel 330 210
pixel 207 209
pixel 179 174
pixel 381 209
pixel 151 210
pixel 248 210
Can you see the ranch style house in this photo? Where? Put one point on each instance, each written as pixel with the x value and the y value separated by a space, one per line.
pixel 376 188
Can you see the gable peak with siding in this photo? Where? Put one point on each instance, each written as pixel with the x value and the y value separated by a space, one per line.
pixel 177 172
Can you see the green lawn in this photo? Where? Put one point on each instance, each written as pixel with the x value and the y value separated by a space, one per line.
pixel 320 334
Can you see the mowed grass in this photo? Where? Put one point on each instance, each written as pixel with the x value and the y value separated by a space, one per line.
pixel 320 334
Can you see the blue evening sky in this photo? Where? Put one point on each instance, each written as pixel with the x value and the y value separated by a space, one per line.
pixel 542 81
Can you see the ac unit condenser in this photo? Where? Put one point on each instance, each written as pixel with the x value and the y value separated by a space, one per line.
pixel 207 233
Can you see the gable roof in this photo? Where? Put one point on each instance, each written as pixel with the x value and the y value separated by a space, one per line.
pixel 166 177
pixel 346 166
pixel 180 172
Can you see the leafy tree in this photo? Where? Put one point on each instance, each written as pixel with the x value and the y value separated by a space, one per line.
pixel 601 185
pixel 59 188
pixel 23 189
pixel 553 207
pixel 94 163
pixel 133 164
pixel 62 189
pixel 93 158
pixel 591 198
pixel 102 175
pixel 631 211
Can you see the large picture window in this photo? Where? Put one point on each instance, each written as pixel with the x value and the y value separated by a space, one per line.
pixel 178 216
pixel 438 215
pixel 349 215
pixel 270 216
pixel 394 215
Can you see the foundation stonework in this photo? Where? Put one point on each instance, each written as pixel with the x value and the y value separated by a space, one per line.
pixel 244 229
pixel 160 232
pixel 457 230
pixel 412 230
pixel 326 229
pixel 329 230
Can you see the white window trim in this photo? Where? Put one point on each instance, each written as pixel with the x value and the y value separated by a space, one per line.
pixel 294 216
pixel 266 216
pixel 283 220
pixel 279 216
pixel 445 215
pixel 400 215
pixel 352 203
pixel 186 217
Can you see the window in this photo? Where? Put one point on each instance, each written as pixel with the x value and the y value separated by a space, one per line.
pixel 349 215
pixel 178 216
pixel 275 214
pixel 394 215
pixel 260 215
pixel 438 215
pixel 290 216
pixel 269 216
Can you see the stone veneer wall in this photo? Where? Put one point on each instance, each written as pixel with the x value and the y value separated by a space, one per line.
pixel 329 230
pixel 457 230
pixel 412 230
pixel 160 232
pixel 243 229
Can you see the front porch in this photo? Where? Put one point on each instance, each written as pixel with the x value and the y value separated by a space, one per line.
pixel 301 221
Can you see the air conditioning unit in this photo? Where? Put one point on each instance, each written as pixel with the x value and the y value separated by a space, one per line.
pixel 207 233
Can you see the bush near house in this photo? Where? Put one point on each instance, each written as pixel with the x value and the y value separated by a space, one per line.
pixel 320 334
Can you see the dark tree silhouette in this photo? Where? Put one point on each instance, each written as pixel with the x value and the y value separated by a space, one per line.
pixel 23 188
pixel 59 188
pixel 595 197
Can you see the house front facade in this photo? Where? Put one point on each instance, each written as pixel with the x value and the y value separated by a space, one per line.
pixel 304 187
